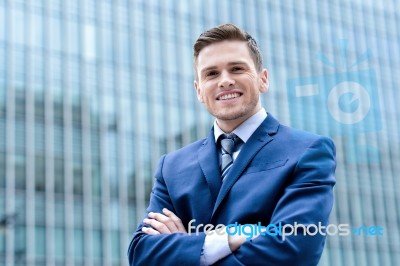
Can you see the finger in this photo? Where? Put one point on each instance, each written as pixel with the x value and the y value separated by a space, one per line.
pixel 168 222
pixel 150 231
pixel 157 225
pixel 177 221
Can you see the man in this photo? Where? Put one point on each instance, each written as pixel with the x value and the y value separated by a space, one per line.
pixel 249 170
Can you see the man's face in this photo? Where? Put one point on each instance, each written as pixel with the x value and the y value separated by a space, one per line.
pixel 228 83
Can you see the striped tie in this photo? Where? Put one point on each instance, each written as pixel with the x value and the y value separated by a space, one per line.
pixel 227 148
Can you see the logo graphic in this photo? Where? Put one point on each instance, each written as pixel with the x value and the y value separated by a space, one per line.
pixel 343 103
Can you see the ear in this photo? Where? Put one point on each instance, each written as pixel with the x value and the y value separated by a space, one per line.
pixel 264 84
pixel 198 91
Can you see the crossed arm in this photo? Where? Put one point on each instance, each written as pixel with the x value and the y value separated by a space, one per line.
pixel 168 223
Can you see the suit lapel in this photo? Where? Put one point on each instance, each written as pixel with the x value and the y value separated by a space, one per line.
pixel 261 137
pixel 209 163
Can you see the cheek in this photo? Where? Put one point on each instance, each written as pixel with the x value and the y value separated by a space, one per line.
pixel 207 92
pixel 202 96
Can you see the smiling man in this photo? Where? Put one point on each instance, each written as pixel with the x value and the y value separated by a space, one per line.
pixel 250 170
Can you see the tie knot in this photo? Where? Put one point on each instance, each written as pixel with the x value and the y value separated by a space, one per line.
pixel 228 142
pixel 229 136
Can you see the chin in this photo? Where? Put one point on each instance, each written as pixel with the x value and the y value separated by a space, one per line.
pixel 229 116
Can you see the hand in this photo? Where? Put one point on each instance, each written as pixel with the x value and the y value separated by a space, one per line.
pixel 163 223
pixel 236 240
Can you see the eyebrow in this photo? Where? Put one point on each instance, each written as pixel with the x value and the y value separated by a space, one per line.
pixel 229 64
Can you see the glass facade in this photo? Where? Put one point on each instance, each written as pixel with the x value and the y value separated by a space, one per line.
pixel 93 92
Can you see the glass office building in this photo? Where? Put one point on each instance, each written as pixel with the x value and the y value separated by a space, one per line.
pixel 92 92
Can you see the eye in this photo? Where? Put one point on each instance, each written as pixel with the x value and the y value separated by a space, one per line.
pixel 237 69
pixel 212 73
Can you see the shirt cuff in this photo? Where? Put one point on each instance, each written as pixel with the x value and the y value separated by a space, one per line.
pixel 216 247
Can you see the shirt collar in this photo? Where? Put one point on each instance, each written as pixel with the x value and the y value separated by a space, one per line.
pixel 246 129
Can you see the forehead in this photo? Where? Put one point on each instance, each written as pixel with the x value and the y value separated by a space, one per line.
pixel 222 53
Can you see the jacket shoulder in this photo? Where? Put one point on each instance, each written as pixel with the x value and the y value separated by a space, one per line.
pixel 187 149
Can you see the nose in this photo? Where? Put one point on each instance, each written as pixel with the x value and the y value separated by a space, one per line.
pixel 226 80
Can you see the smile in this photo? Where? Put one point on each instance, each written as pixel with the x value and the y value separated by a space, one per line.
pixel 229 96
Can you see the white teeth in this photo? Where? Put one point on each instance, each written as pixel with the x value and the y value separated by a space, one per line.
pixel 229 96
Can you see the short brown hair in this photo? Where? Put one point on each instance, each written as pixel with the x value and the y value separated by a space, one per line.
pixel 227 32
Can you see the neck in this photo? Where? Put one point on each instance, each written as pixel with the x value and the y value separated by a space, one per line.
pixel 229 126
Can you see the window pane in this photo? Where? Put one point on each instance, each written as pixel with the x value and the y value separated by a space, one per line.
pixel 2 170
pixel 2 24
pixel 97 244
pixel 20 171
pixel 39 173
pixel 40 209
pixel 36 30
pixel 115 247
pixel 40 241
pixel 59 211
pixel 55 31
pixel 20 240
pixel 59 242
pixel 18 26
pixel 59 175
pixel 78 244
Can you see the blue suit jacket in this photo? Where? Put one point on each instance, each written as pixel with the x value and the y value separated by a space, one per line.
pixel 282 175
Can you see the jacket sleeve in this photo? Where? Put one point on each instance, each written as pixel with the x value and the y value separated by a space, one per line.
pixel 163 249
pixel 307 199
